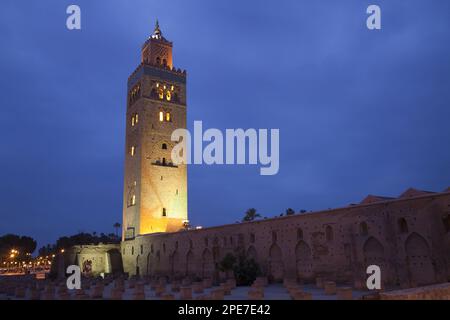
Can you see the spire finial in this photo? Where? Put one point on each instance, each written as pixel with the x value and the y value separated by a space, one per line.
pixel 157 34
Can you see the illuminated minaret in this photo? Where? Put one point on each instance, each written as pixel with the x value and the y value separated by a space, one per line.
pixel 155 190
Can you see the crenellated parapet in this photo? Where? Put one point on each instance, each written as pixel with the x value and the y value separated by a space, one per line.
pixel 175 71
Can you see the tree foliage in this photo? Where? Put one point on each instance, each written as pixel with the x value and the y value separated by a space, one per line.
pixel 250 215
pixel 290 211
pixel 245 269
pixel 77 240
pixel 227 263
pixel 23 244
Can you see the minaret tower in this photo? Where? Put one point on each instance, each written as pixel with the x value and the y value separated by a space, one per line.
pixel 155 190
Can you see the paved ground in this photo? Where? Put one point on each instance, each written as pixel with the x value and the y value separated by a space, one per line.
pixel 271 292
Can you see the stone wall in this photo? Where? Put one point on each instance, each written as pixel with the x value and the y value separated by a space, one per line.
pixel 408 237
pixel 92 259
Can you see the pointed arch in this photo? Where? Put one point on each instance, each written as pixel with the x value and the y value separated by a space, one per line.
pixel 115 261
pixel 363 229
pixel 251 253
pixel 276 268
pixel 176 265
pixel 373 252
pixel 149 264
pixel 418 259
pixel 329 233
pixel 138 269
pixel 303 257
pixel 402 225
pixel 207 264
pixel 190 263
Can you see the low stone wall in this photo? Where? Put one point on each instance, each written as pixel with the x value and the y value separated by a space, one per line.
pixel 92 259
pixel 433 292
pixel 406 237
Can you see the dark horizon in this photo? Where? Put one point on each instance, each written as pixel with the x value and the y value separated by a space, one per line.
pixel 360 112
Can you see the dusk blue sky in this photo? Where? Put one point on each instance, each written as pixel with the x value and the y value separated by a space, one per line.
pixel 359 111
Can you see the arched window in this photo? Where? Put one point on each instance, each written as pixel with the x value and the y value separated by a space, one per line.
pixel 402 225
pixel 164 146
pixel 363 229
pixel 164 161
pixel 164 213
pixel 241 239
pixel 329 233
pixel 158 60
pixel 299 234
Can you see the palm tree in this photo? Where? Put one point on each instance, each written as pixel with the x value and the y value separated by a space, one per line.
pixel 251 215
pixel 117 226
pixel 290 211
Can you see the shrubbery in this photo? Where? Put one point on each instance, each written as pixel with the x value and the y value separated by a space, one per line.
pixel 245 270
